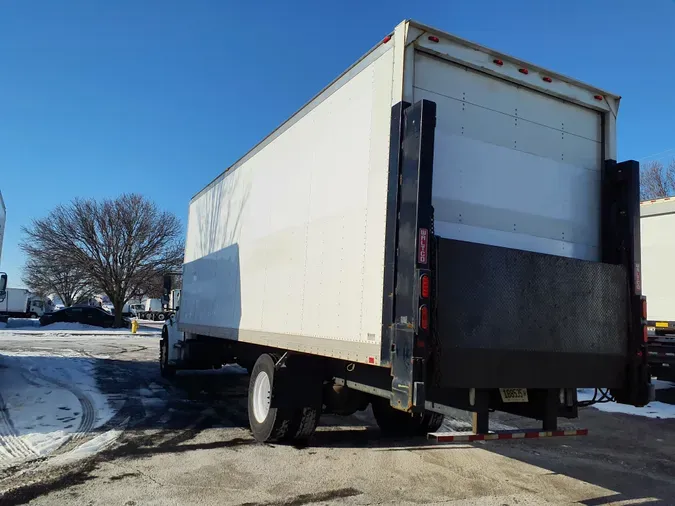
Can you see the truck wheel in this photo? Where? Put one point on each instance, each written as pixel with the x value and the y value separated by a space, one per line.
pixel 269 424
pixel 33 315
pixel 161 317
pixel 149 316
pixel 393 422
pixel 166 370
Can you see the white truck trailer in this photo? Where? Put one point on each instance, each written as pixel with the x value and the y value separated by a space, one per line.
pixel 443 226
pixel 3 217
pixel 3 276
pixel 657 223
pixel 21 303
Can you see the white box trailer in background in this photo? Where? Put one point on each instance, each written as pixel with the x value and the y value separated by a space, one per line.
pixel 3 217
pixel 437 228
pixel 657 223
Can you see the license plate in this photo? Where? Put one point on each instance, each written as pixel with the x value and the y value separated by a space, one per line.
pixel 513 394
pixel 663 325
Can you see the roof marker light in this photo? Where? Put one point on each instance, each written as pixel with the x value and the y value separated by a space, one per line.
pixel 386 39
pixel 498 62
pixel 598 97
pixel 547 79
pixel 433 38
pixel 524 71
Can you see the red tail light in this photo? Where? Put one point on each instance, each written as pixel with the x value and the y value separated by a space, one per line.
pixel 645 334
pixel 425 286
pixel 423 246
pixel 424 317
pixel 433 38
pixel 644 308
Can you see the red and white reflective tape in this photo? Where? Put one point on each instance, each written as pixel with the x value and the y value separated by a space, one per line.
pixel 463 437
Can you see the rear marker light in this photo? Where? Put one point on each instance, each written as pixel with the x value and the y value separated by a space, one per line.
pixel 386 39
pixel 424 317
pixel 524 71
pixel 371 360
pixel 645 333
pixel 423 246
pixel 433 38
pixel 547 79
pixel 425 286
pixel 644 308
pixel 498 62
pixel 598 97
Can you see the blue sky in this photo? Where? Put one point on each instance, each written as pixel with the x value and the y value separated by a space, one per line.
pixel 159 96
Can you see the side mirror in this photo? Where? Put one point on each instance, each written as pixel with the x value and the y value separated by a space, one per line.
pixel 3 286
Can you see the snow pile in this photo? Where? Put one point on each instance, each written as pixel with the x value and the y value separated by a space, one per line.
pixel 80 326
pixel 19 323
pixel 652 410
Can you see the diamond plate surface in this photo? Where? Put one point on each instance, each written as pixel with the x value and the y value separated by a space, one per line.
pixel 504 299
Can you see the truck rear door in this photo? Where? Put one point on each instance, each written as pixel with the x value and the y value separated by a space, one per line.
pixel 522 297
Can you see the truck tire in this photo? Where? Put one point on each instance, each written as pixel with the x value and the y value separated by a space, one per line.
pixel 149 316
pixel 270 425
pixel 161 317
pixel 166 370
pixel 393 422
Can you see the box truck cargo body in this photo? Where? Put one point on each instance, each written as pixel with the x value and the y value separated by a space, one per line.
pixel 441 222
pixel 657 223
pixel 3 216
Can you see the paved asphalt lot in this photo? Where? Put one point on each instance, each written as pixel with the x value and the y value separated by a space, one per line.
pixel 187 442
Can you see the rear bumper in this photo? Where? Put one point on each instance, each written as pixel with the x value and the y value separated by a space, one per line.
pixel 662 327
pixel 661 353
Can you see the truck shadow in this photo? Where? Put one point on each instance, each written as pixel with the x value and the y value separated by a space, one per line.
pixel 630 458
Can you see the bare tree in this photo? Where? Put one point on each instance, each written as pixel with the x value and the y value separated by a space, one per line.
pixel 657 181
pixel 45 277
pixel 119 245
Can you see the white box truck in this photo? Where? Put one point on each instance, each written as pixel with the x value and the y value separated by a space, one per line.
pixel 20 303
pixel 443 226
pixel 657 223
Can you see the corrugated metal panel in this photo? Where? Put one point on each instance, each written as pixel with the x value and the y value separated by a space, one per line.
pixel 512 167
pixel 3 217
pixel 657 224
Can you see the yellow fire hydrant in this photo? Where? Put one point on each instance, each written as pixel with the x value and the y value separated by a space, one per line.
pixel 134 326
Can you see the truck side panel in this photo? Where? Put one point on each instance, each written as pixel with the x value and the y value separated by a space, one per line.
pixel 288 249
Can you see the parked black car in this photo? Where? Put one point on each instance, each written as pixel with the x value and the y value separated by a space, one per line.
pixel 82 314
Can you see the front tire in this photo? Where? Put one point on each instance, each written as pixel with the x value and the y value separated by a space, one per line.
pixel 161 317
pixel 393 422
pixel 269 424
pixel 149 316
pixel 166 370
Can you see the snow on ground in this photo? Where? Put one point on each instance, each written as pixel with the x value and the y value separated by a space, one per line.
pixel 46 401
pixel 652 410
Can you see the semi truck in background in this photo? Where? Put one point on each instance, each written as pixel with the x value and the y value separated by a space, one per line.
pixel 443 226
pixel 657 224
pixel 160 309
pixel 21 303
